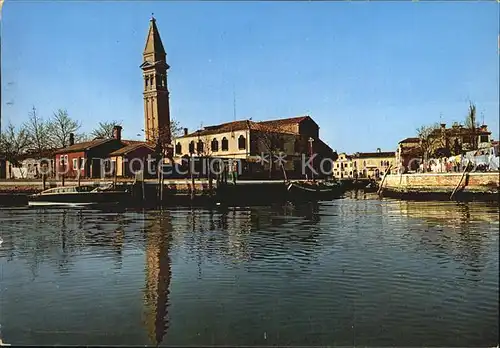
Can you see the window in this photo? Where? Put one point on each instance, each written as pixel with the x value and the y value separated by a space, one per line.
pixel 214 145
pixel 242 143
pixel 364 163
pixel 178 149
pixel 225 144
pixel 191 146
pixel 199 146
pixel 483 139
pixel 75 163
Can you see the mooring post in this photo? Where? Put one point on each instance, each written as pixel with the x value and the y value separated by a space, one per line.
pixel 461 178
pixel 380 189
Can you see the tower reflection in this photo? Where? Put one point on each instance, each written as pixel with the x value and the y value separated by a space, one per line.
pixel 158 275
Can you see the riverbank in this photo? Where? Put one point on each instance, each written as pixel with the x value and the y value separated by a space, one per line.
pixel 441 186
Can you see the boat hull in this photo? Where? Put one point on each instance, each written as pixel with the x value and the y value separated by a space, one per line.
pixel 79 198
pixel 313 192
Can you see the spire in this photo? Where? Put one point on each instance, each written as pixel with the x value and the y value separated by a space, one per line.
pixel 154 45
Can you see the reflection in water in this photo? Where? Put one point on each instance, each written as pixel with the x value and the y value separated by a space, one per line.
pixel 353 271
pixel 158 275
pixel 451 228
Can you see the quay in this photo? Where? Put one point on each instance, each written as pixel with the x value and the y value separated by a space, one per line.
pixel 443 186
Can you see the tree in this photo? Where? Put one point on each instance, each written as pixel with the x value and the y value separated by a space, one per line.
pixel 175 129
pixel 268 139
pixel 471 124
pixel 105 129
pixel 38 131
pixel 61 126
pixel 429 138
pixel 14 143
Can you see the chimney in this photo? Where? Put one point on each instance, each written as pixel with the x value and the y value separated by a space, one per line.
pixel 117 132
pixel 71 139
pixel 185 131
pixel 443 125
pixel 378 150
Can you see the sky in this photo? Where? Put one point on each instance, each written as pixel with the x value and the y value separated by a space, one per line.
pixel 369 73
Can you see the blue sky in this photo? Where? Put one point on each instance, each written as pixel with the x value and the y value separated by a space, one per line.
pixel 368 73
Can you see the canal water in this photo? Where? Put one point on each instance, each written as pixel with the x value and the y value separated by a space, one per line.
pixel 354 271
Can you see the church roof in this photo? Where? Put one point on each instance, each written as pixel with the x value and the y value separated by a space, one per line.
pixel 269 126
pixel 153 41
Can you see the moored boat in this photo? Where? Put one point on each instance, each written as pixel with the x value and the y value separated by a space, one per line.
pixel 78 195
pixel 314 190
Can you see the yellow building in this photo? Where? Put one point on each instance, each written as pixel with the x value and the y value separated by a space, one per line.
pixel 343 167
pixel 373 164
pixel 249 140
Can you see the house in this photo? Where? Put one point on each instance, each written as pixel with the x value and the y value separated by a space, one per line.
pixel 343 167
pixel 249 141
pixel 373 164
pixel 88 159
pixel 32 165
pixel 128 160
pixel 408 154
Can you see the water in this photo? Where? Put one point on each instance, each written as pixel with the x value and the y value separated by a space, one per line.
pixel 347 272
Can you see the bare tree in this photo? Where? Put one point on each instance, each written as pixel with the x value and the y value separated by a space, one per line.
pixel 268 140
pixel 105 129
pixel 471 124
pixel 429 138
pixel 13 143
pixel 175 129
pixel 38 131
pixel 61 126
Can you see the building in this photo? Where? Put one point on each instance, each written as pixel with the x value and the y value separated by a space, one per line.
pixel 249 141
pixel 373 164
pixel 88 159
pixel 343 167
pixel 156 94
pixel 129 159
pixel 442 142
pixel 31 165
pixel 409 154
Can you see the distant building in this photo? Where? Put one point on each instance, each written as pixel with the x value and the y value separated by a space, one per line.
pixel 31 165
pixel 344 166
pixel 443 142
pixel 374 164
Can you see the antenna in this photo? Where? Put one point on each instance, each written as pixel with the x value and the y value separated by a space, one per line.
pixel 482 118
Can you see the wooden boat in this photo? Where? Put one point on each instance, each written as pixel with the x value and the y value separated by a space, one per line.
pixel 314 190
pixel 371 187
pixel 78 195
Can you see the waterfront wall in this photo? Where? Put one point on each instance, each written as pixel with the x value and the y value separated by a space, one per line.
pixel 442 183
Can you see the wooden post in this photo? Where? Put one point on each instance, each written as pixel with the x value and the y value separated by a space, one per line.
pixel 380 189
pixel 191 165
pixel 461 178
pixel 143 185
pixel 115 172
pixel 44 181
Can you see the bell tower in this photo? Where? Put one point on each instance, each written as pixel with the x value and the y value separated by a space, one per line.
pixel 156 95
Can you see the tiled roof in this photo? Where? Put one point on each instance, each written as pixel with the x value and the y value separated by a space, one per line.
pixel 270 125
pixel 86 145
pixel 125 150
pixel 374 154
pixel 410 140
